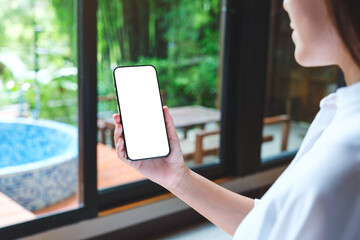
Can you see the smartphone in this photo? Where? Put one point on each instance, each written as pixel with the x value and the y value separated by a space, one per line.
pixel 141 111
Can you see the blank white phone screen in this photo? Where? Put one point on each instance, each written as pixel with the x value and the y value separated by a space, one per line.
pixel 141 112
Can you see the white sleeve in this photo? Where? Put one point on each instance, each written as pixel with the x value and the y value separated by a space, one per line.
pixel 327 208
pixel 324 205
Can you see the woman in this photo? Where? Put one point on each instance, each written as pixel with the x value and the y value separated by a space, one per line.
pixel 318 196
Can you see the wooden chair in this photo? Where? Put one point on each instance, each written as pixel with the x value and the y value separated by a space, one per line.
pixel 213 145
pixel 284 120
pixel 106 129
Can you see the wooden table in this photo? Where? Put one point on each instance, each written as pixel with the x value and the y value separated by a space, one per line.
pixel 191 116
pixel 184 118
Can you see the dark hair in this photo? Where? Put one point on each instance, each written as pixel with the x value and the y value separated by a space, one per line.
pixel 346 18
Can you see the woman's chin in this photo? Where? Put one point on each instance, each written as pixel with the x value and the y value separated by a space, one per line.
pixel 306 59
pixel 294 36
pixel 301 58
pixel 302 55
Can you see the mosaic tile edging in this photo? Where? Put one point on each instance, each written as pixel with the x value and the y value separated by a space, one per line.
pixel 41 187
pixel 39 184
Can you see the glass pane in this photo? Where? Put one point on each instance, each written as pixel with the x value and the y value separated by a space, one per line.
pixel 293 93
pixel 38 109
pixel 181 39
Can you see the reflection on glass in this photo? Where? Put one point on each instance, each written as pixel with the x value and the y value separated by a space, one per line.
pixel 181 40
pixel 293 93
pixel 38 109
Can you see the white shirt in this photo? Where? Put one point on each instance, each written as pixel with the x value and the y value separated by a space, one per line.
pixel 318 195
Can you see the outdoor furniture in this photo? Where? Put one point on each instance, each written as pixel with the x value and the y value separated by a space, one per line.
pixel 212 145
pixel 189 117
pixel 284 120
pixel 206 142
pixel 105 127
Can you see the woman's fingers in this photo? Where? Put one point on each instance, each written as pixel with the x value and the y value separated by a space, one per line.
pixel 118 128
pixel 118 139
pixel 173 137
pixel 169 124
pixel 118 133
pixel 120 149
pixel 116 118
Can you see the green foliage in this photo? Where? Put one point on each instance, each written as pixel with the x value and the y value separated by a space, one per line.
pixel 183 36
pixel 187 83
pixel 53 22
pixel 179 37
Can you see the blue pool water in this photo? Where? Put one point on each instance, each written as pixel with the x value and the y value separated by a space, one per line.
pixel 38 161
pixel 25 143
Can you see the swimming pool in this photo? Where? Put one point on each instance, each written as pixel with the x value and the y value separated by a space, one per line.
pixel 38 161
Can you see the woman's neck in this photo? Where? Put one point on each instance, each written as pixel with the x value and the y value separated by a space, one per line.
pixel 351 71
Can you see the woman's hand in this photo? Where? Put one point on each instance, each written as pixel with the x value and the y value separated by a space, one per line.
pixel 166 171
pixel 221 206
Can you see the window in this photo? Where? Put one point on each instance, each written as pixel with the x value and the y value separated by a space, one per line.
pixel 39 114
pixel 41 110
pixel 183 40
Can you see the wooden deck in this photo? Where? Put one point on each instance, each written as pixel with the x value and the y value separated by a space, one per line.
pixel 11 212
pixel 112 171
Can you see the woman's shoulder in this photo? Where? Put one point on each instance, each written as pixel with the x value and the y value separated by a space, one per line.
pixel 346 130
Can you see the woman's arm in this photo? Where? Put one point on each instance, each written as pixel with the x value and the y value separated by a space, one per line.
pixel 224 208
